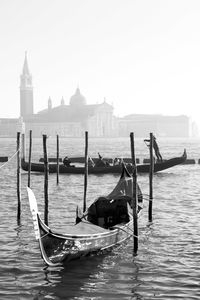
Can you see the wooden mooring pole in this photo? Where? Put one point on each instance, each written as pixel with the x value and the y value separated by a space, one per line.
pixel 135 200
pixel 86 171
pixel 29 158
pixel 23 147
pixel 57 160
pixel 46 170
pixel 18 178
pixel 151 171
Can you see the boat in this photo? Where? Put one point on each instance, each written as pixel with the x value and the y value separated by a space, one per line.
pixel 108 169
pixel 107 222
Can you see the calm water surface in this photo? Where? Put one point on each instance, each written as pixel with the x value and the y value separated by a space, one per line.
pixel 167 265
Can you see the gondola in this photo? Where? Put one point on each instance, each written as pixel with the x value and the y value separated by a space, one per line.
pixel 110 169
pixel 106 223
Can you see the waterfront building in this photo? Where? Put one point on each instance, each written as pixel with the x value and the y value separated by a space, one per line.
pixel 160 125
pixel 74 118
pixel 71 119
pixel 10 126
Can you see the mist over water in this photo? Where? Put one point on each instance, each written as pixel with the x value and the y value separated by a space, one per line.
pixel 167 264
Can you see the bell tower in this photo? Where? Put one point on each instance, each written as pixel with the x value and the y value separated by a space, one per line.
pixel 26 91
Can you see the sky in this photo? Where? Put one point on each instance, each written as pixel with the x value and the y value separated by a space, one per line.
pixel 143 56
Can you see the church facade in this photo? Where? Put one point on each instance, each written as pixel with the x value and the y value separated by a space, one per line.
pixel 67 120
pixel 73 119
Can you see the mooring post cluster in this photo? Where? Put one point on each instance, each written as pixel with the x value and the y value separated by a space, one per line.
pixel 46 173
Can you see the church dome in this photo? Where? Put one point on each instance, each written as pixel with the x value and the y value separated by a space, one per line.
pixel 77 99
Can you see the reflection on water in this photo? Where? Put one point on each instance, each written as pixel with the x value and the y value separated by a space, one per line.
pixel 97 276
pixel 167 265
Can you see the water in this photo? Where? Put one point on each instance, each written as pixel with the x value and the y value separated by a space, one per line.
pixel 167 265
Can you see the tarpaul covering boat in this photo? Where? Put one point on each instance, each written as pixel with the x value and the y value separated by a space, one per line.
pixel 112 169
pixel 107 222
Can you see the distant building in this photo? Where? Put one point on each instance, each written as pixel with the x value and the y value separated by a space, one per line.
pixel 66 120
pixel 163 126
pixel 194 129
pixel 9 127
pixel 73 119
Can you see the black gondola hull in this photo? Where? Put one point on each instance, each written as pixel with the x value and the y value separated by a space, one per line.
pixel 116 169
pixel 57 249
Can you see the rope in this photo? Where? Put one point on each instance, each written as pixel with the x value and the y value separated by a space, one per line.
pixel 9 159
pixel 156 198
pixel 116 227
pixel 147 199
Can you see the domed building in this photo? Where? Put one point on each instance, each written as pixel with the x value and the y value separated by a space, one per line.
pixel 73 119
pixel 69 120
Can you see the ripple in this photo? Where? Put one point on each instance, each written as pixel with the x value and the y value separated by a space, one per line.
pixel 167 265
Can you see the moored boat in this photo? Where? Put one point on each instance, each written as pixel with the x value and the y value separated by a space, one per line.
pixel 106 223
pixel 112 169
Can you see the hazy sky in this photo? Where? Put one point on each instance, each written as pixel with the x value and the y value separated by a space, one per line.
pixel 143 56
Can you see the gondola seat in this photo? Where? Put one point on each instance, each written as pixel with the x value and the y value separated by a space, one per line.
pixel 108 213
